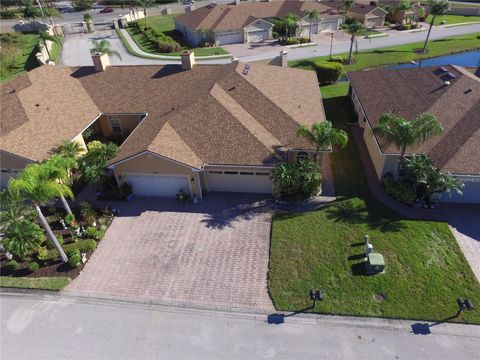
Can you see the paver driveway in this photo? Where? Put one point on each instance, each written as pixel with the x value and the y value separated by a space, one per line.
pixel 213 253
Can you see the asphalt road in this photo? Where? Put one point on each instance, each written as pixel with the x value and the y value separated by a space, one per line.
pixel 60 327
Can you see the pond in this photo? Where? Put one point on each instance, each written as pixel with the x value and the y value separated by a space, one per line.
pixel 469 58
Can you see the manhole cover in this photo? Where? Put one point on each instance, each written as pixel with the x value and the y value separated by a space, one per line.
pixel 379 297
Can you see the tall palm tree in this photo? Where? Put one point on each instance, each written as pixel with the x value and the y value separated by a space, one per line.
pixel 70 149
pixel 46 36
pixel 322 135
pixel 290 22
pixel 402 133
pixel 437 7
pixel 403 6
pixel 313 15
pixel 31 12
pixel 58 168
pixel 347 5
pixel 104 47
pixel 354 29
pixel 146 4
pixel 35 184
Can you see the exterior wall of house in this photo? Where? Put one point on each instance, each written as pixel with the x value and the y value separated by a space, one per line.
pixel 192 36
pixel 292 156
pixel 81 141
pixel 10 166
pixel 128 122
pixel 152 164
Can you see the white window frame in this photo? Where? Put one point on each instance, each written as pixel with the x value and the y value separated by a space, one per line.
pixel 112 119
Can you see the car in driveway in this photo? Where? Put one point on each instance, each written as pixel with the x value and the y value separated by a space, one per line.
pixel 106 10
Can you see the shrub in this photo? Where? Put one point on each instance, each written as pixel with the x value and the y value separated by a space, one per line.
pixel 7 14
pixel 303 40
pixel 74 258
pixel 33 266
pixel 87 209
pixel 328 72
pixel 95 144
pixel 69 219
pixel 82 246
pixel 403 191
pixel 11 265
pixel 133 24
pixel 82 5
pixel 275 34
pixel 338 59
pixel 43 253
pixel 49 243
pixel 478 37
pixel 167 47
pixel 94 233
pixel 292 41
pixel 295 182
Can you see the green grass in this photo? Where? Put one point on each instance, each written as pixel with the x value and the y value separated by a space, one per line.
pixel 425 268
pixel 26 59
pixel 401 54
pixel 452 19
pixel 45 283
pixel 165 24
pixel 55 52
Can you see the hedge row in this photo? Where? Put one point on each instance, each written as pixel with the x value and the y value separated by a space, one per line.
pixel 82 246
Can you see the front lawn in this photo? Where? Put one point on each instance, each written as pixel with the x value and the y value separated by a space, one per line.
pixel 425 268
pixel 20 51
pixel 452 19
pixel 43 283
pixel 165 24
pixel 400 54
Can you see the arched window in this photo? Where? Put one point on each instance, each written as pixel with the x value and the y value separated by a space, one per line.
pixel 302 155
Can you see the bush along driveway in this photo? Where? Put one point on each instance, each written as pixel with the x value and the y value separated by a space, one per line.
pixel 426 270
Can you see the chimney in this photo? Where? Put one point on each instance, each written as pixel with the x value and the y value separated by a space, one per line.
pixel 100 61
pixel 283 56
pixel 188 60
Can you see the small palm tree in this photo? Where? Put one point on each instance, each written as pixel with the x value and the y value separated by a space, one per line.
pixel 35 184
pixel 58 168
pixel 403 6
pixel 354 29
pixel 437 7
pixel 46 36
pixel 347 5
pixel 402 133
pixel 322 135
pixel 313 15
pixel 145 4
pixel 70 149
pixel 93 163
pixel 13 211
pixel 290 22
pixel 22 238
pixel 104 47
pixel 31 12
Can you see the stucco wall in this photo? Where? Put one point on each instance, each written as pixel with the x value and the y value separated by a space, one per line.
pixel 151 164
pixel 128 123
pixel 81 141
pixel 10 166
pixel 191 36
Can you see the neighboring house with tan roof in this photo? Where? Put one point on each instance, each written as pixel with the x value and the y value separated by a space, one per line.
pixel 249 22
pixel 370 16
pixel 451 93
pixel 401 16
pixel 205 128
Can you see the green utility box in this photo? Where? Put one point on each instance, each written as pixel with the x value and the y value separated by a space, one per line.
pixel 375 263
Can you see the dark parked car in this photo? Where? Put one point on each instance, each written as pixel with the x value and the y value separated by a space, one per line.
pixel 106 10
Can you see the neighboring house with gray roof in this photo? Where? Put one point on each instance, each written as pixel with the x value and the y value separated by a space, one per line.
pixel 451 93
pixel 199 128
pixel 249 22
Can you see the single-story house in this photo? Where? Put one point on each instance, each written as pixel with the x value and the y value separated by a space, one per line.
pixel 451 93
pixel 197 128
pixel 401 16
pixel 248 22
pixel 370 16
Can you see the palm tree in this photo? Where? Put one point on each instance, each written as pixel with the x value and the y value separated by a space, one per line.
pixel 50 12
pixel 313 15
pixel 58 168
pixel 403 6
pixel 402 133
pixel 322 135
pixel 31 12
pixel 146 4
pixel 13 210
pixel 437 7
pixel 35 184
pixel 70 149
pixel 46 36
pixel 104 47
pixel 348 4
pixel 93 162
pixel 22 238
pixel 290 22
pixel 354 29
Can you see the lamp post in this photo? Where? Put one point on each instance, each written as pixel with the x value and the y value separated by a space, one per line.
pixel 331 44
pixel 315 295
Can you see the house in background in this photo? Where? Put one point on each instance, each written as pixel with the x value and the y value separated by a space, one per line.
pixel 450 93
pixel 401 16
pixel 370 16
pixel 197 128
pixel 249 22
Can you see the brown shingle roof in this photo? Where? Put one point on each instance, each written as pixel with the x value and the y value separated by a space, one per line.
pixel 42 108
pixel 233 17
pixel 410 92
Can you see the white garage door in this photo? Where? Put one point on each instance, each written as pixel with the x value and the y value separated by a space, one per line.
pixel 329 25
pixel 229 38
pixel 306 29
pixel 374 22
pixel 240 181
pixel 257 36
pixel 155 185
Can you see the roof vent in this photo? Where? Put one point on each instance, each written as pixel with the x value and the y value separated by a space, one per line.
pixel 446 83
pixel 443 69
pixel 451 75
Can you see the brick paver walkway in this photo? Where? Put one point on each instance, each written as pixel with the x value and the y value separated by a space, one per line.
pixel 212 253
pixel 464 219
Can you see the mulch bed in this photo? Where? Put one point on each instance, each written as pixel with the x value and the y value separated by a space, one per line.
pixel 56 269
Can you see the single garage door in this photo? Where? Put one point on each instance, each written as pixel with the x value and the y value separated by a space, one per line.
pixel 329 25
pixel 374 22
pixel 306 29
pixel 229 38
pixel 239 181
pixel 257 36
pixel 158 185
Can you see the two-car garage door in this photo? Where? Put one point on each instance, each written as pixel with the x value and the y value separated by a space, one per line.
pixel 156 185
pixel 234 37
pixel 248 181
